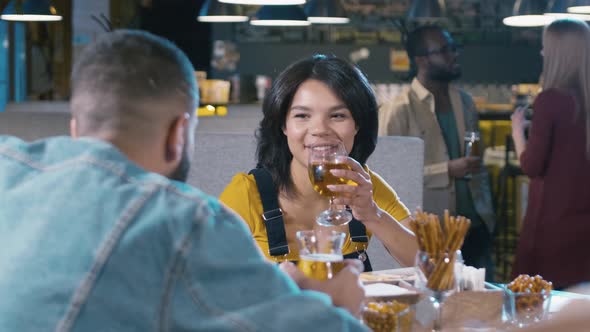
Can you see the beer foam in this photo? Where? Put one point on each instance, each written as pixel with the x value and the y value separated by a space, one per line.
pixel 322 257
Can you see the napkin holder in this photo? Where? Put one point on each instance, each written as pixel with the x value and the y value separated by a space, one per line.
pixel 411 297
pixel 473 308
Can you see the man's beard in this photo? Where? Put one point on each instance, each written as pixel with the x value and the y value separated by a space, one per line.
pixel 440 74
pixel 181 172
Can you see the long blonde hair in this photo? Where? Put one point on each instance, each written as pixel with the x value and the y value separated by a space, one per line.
pixel 566 64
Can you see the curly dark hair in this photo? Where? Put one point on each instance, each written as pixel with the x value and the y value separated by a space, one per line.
pixel 346 80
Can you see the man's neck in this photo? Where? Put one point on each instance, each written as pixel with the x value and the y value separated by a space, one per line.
pixel 437 88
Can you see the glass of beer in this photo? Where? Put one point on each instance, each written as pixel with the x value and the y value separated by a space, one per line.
pixel 323 158
pixel 320 253
pixel 471 146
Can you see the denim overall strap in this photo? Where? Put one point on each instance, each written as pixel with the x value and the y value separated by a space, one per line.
pixel 275 225
pixel 358 234
pixel 272 215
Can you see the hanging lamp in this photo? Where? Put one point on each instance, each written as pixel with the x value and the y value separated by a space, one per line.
pixel 265 2
pixel 528 13
pixel 280 16
pixel 30 10
pixel 214 11
pixel 558 9
pixel 579 7
pixel 325 12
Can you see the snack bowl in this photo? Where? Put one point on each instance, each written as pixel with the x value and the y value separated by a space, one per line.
pixel 388 316
pixel 526 308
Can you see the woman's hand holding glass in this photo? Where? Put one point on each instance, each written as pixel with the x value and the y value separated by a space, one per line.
pixel 519 122
pixel 324 157
pixel 357 193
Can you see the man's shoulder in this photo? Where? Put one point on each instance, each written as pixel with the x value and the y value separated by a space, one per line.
pixel 45 153
pixel 97 162
pixel 53 149
pixel 18 145
pixel 400 103
pixel 11 141
pixel 404 96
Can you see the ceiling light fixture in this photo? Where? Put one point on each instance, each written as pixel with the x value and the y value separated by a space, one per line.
pixel 528 13
pixel 280 16
pixel 30 10
pixel 265 2
pixel 214 11
pixel 325 12
pixel 579 7
pixel 558 9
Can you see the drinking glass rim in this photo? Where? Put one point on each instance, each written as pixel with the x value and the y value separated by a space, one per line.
pixel 544 292
pixel 335 147
pixel 315 231
pixel 400 313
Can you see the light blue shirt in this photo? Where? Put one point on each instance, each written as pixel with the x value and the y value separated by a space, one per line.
pixel 91 242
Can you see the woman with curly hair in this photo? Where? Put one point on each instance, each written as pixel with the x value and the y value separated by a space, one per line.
pixel 314 100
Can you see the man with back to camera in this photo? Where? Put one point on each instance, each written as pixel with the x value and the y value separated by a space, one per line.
pixel 99 232
pixel 439 113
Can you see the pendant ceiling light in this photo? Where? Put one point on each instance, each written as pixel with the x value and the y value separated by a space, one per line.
pixel 528 13
pixel 214 11
pixel 558 9
pixel 426 10
pixel 280 16
pixel 265 2
pixel 30 10
pixel 579 7
pixel 325 12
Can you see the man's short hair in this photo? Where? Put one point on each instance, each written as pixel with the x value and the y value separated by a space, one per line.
pixel 416 40
pixel 119 78
pixel 416 44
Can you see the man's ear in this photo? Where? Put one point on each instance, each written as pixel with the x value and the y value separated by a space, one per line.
pixel 73 127
pixel 176 138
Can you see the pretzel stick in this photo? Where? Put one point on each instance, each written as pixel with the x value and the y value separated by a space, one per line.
pixel 447 223
pixel 440 241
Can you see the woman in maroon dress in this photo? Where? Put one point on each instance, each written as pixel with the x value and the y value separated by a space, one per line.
pixel 555 237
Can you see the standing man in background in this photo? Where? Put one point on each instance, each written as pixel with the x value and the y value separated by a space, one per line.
pixel 440 114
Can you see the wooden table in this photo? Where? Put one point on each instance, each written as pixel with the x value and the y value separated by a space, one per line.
pixel 489 304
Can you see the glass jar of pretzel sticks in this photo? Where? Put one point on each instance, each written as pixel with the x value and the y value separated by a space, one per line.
pixel 438 244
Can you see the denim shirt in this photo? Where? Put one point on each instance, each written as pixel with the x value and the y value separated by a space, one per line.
pixel 91 242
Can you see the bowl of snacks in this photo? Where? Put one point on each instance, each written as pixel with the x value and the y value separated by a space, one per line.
pixel 388 316
pixel 527 300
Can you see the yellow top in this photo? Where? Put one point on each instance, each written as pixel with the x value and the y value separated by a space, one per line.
pixel 241 195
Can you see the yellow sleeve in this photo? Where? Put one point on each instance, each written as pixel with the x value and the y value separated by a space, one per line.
pixel 387 199
pixel 241 195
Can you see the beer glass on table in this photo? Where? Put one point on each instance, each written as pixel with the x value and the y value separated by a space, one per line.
pixel 323 158
pixel 320 253
pixel 472 147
